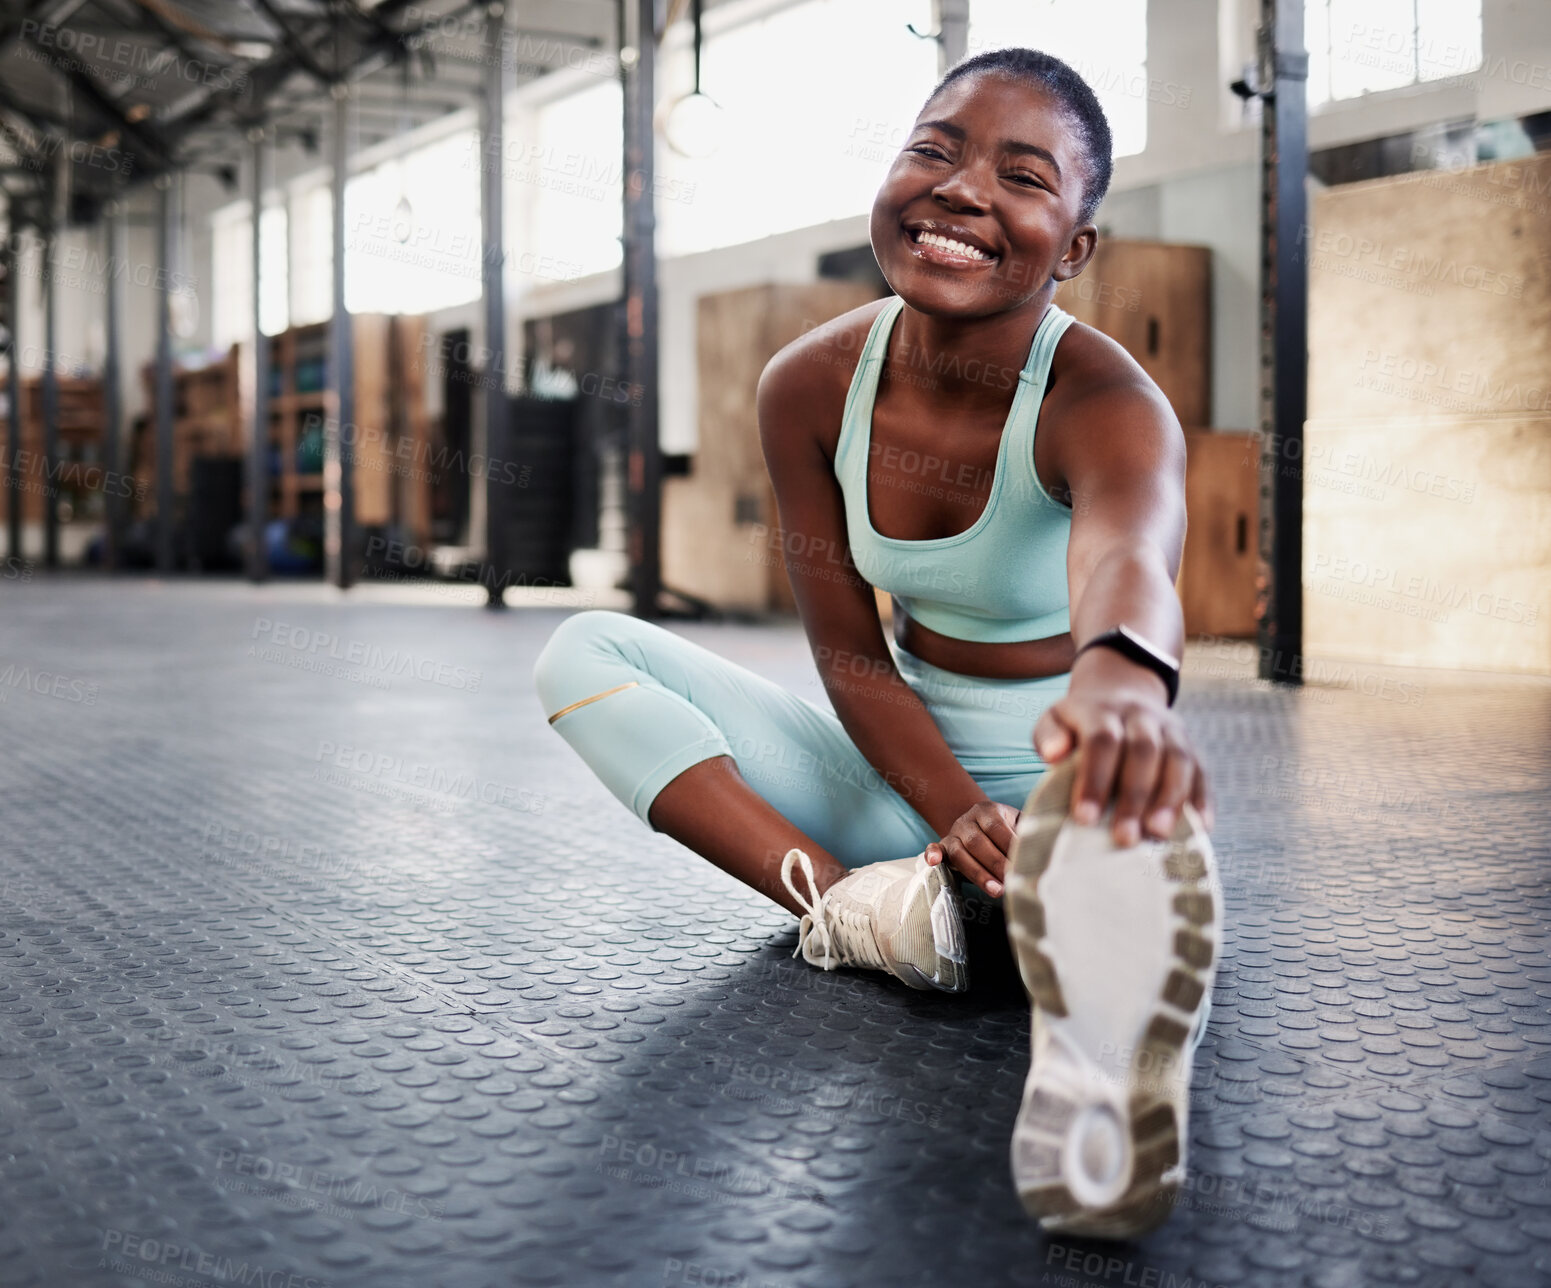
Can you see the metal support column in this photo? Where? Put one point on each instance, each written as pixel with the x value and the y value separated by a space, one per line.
pixel 339 437
pixel 1284 68
pixel 643 474
pixel 164 262
pixel 498 498
pixel 112 394
pixel 258 439
pixel 13 419
pixel 50 403
pixel 952 32
pixel 59 217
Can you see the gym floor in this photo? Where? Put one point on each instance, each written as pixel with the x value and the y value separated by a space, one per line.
pixel 324 961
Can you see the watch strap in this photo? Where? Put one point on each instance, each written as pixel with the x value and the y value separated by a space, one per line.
pixel 1132 646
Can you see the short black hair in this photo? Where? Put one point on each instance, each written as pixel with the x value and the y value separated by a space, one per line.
pixel 1070 90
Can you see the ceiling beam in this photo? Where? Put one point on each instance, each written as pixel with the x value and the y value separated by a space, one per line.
pixel 146 137
pixel 295 45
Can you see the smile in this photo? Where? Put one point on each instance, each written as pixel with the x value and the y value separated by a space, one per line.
pixel 939 249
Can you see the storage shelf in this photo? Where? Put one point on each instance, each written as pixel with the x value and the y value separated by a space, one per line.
pixel 207 420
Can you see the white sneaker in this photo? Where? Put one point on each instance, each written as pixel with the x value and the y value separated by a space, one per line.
pixel 902 916
pixel 1117 949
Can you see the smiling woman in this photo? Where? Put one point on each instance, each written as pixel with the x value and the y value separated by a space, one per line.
pixel 1035 623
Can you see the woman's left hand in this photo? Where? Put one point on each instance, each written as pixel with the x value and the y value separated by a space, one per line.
pixel 1131 748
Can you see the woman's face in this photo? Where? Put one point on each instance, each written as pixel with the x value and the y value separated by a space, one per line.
pixel 995 166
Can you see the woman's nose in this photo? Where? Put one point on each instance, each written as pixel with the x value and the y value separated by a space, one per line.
pixel 963 189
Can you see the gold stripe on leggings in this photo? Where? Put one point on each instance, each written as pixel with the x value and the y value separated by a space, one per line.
pixel 582 702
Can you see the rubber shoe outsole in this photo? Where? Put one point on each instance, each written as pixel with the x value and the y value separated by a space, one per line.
pixel 1098 1147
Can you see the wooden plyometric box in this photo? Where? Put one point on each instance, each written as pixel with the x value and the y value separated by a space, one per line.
pixel 411 424
pixel 720 530
pixel 374 466
pixel 1427 455
pixel 1222 499
pixel 1155 300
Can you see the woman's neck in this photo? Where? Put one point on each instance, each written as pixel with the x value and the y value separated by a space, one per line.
pixel 969 362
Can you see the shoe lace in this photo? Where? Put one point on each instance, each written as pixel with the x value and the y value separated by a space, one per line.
pixel 844 930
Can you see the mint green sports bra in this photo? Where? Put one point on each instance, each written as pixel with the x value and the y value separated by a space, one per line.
pixel 1004 577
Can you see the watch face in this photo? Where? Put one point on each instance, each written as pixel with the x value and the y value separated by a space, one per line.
pixel 1150 649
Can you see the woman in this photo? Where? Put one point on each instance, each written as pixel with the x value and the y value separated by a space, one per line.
pixel 1032 591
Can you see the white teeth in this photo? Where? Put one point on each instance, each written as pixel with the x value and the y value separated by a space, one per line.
pixel 948 243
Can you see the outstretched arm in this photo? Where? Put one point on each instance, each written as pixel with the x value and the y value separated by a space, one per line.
pixel 1126 475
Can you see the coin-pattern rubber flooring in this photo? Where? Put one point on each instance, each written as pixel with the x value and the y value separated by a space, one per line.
pixel 324 961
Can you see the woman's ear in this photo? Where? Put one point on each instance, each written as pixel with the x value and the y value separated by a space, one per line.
pixel 1085 240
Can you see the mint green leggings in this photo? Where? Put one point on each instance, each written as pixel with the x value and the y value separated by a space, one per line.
pixel 641 704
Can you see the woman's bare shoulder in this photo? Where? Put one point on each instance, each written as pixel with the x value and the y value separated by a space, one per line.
pixel 1087 362
pixel 1090 372
pixel 804 386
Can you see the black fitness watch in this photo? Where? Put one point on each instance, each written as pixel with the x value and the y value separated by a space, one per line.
pixel 1129 644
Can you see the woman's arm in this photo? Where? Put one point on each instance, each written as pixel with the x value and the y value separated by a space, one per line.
pixel 1125 470
pixel 881 713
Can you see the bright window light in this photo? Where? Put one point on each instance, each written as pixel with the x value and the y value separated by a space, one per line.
pixel 231 304
pixel 1359 47
pixel 817 99
pixel 312 255
pixel 231 320
pixel 412 231
pixel 275 279
pixel 570 162
pixel 1105 41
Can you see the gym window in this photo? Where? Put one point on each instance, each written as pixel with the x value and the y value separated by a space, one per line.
pixel 1111 55
pixel 1359 47
pixel 231 289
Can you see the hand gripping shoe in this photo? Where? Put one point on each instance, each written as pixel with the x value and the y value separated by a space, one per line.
pixel 1117 949
pixel 902 916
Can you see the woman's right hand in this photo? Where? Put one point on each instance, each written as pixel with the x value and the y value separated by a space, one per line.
pixel 977 845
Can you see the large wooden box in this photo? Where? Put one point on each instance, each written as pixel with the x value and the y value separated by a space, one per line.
pixel 1427 480
pixel 1222 504
pixel 1155 300
pixel 720 530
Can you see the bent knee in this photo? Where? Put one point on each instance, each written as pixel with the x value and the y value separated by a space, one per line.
pixel 578 640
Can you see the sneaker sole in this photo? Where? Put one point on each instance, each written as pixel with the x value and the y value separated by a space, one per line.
pixel 1118 980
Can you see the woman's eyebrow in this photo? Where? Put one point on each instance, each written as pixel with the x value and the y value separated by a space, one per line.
pixel 1008 145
